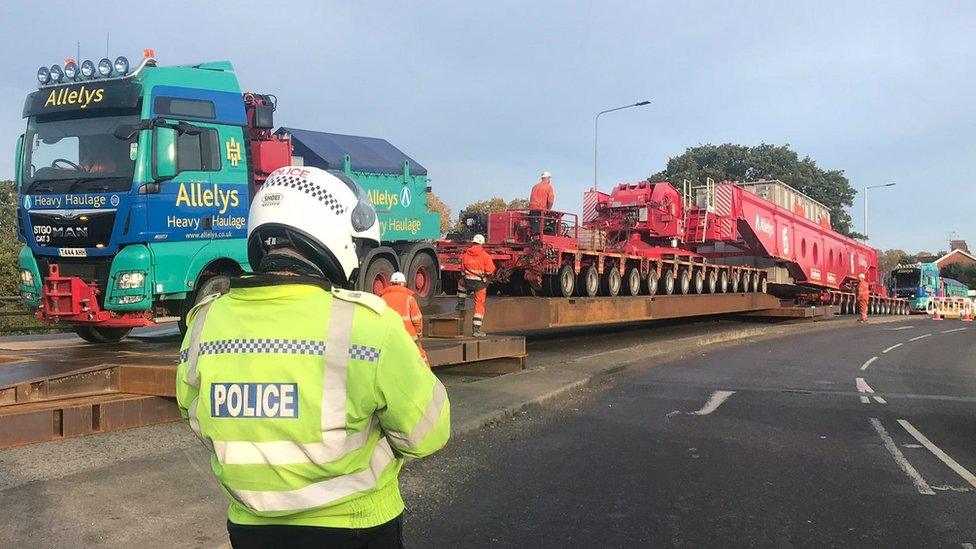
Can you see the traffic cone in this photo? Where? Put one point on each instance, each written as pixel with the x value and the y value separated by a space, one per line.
pixel 935 314
pixel 967 314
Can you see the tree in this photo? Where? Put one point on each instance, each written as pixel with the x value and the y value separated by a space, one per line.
pixel 961 272
pixel 889 259
pixel 494 204
pixel 9 246
pixel 436 205
pixel 741 163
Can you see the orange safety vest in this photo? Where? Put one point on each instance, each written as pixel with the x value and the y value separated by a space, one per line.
pixel 400 299
pixel 477 263
pixel 542 196
pixel 863 291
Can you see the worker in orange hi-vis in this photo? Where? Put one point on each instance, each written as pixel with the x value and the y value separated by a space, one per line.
pixel 476 267
pixel 400 298
pixel 540 202
pixel 863 293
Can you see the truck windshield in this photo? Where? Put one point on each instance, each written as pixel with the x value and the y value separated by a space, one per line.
pixel 906 278
pixel 79 155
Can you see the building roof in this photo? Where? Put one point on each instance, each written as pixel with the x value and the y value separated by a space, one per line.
pixel 965 254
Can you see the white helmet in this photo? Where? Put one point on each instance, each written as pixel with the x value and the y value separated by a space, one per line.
pixel 324 215
pixel 478 239
pixel 546 174
pixel 398 278
pixel 861 276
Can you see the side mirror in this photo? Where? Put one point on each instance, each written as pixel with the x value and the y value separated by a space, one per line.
pixel 19 159
pixel 164 154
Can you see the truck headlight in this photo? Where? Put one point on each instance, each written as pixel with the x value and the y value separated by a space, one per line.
pixel 130 280
pixel 26 277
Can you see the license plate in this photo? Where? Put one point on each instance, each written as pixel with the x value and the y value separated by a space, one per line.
pixel 72 252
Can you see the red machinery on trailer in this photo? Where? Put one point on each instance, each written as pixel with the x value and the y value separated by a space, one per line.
pixel 650 238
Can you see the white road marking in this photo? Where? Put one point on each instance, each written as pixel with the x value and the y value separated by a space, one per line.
pixel 865 400
pixel 919 337
pixel 899 328
pixel 947 488
pixel 868 363
pixel 953 464
pixel 895 346
pixel 953 330
pixel 889 444
pixel 863 387
pixel 714 401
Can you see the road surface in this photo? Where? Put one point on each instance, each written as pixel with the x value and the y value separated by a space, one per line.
pixel 854 437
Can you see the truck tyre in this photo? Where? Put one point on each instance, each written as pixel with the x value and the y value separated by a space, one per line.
pixel 684 282
pixel 219 284
pixel 763 284
pixel 734 281
pixel 633 282
pixel 754 282
pixel 667 282
pixel 94 334
pixel 565 281
pixel 723 282
pixel 377 275
pixel 588 284
pixel 612 282
pixel 422 278
pixel 651 285
pixel 698 282
pixel 711 282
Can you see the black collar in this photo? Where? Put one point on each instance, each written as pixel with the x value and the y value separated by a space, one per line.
pixel 261 280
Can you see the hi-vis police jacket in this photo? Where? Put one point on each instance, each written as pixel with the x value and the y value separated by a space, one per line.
pixel 308 399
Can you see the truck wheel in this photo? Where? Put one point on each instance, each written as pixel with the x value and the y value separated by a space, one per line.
pixel 667 282
pixel 565 281
pixel 589 282
pixel 723 282
pixel 651 285
pixel 698 282
pixel 754 282
pixel 378 275
pixel 711 282
pixel 219 284
pixel 633 286
pixel 422 278
pixel 763 285
pixel 612 282
pixel 94 334
pixel 684 282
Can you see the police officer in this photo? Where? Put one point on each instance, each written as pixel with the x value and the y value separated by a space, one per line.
pixel 309 396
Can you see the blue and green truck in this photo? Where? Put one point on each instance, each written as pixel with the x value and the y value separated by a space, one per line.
pixel 920 282
pixel 134 188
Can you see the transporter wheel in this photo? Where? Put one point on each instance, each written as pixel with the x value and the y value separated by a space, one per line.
pixel 754 282
pixel 422 278
pixel 667 282
pixel 651 284
pixel 378 275
pixel 565 282
pixel 93 334
pixel 736 282
pixel 612 282
pixel 684 282
pixel 219 284
pixel 763 284
pixel 632 282
pixel 711 281
pixel 588 284
pixel 723 282
pixel 698 282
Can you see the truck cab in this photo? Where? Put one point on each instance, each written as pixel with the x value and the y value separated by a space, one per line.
pixel 134 189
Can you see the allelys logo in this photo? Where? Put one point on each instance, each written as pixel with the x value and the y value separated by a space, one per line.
pixel 764 225
pixel 81 97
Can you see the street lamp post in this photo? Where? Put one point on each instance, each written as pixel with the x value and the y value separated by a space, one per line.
pixel 596 132
pixel 866 204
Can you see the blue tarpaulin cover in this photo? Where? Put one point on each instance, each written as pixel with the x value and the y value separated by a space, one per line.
pixel 367 154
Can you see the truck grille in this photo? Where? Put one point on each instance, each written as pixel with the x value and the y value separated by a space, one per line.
pixel 75 230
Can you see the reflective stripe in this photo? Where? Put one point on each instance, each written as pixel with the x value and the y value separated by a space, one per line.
pixel 322 493
pixel 406 318
pixel 287 452
pixel 193 349
pixel 416 318
pixel 479 316
pixel 335 369
pixel 426 424
pixel 259 345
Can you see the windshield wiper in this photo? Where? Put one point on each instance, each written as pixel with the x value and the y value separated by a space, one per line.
pixel 81 180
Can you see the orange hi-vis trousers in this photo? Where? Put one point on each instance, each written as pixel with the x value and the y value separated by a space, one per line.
pixel 480 296
pixel 863 305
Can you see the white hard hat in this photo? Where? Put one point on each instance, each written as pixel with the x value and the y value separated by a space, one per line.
pixel 861 276
pixel 398 278
pixel 326 216
pixel 546 174
pixel 478 239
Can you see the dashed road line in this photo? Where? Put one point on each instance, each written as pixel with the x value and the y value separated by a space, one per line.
pixel 868 363
pixel 920 337
pixel 889 444
pixel 863 387
pixel 714 401
pixel 895 346
pixel 946 458
pixel 953 330
pixel 899 328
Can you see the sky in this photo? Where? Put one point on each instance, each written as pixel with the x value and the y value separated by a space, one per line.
pixel 486 95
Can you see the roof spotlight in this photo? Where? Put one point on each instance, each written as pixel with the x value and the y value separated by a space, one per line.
pixel 121 65
pixel 56 73
pixel 43 75
pixel 88 69
pixel 105 67
pixel 70 70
